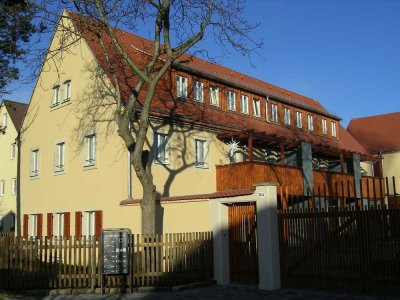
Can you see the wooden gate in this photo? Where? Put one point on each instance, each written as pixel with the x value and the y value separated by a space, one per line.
pixel 243 257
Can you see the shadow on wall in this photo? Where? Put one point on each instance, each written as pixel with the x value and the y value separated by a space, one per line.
pixel 7 222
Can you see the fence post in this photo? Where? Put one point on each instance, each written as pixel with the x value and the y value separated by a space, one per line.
pixel 268 236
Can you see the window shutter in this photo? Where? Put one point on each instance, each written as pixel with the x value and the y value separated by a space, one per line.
pixel 49 224
pixel 26 220
pixel 39 225
pixel 98 223
pixel 67 218
pixel 78 223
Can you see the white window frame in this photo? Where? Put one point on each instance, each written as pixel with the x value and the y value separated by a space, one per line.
pixel 198 91
pixel 214 95
pixel 161 148
pixel 67 90
pixel 244 104
pixel 256 107
pixel 286 116
pixel 5 121
pixel 181 86
pixel 231 100
pixel 324 128
pixel 310 122
pixel 2 187
pixel 14 186
pixel 299 119
pixel 56 96
pixel 333 127
pixel 33 220
pixel 59 224
pixel 90 150
pixel 274 112
pixel 59 161
pixel 201 157
pixel 90 218
pixel 34 163
pixel 13 150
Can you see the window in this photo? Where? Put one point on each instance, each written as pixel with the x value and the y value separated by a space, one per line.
pixel 333 126
pixel 2 187
pixel 214 96
pixel 231 100
pixel 323 121
pixel 201 153
pixel 90 223
pixel 299 120
pixel 161 147
pixel 5 119
pixel 59 164
pixel 256 108
pixel 13 151
pixel 59 224
pixel 34 225
pixel 67 90
pixel 181 87
pixel 14 186
pixel 56 96
pixel 244 104
pixel 198 91
pixel 274 112
pixel 90 146
pixel 286 116
pixel 34 165
pixel 310 122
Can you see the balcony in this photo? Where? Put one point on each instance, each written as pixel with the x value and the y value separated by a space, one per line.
pixel 244 175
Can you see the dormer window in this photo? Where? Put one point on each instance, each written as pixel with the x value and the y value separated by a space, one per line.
pixel 181 87
pixel 244 104
pixel 286 116
pixel 231 100
pixel 274 113
pixel 333 128
pixel 67 91
pixel 198 91
pixel 310 120
pixel 299 121
pixel 56 96
pixel 214 96
pixel 256 108
pixel 324 131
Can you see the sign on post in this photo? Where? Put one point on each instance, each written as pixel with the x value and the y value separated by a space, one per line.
pixel 116 254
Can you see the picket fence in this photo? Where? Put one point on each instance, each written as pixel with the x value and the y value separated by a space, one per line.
pixel 58 263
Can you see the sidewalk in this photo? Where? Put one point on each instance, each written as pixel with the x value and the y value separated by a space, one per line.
pixel 229 292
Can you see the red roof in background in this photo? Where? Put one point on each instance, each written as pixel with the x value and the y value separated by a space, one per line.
pixel 377 133
pixel 189 111
pixel 16 111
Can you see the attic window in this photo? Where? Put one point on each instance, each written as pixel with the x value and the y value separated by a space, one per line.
pixel 67 91
pixel 5 119
pixel 56 96
pixel 333 127
pixel 214 96
pixel 181 87
pixel 310 120
pixel 256 107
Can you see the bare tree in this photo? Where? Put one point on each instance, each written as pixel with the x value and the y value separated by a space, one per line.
pixel 178 26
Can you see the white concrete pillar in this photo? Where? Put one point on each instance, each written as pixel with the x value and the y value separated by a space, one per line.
pixel 268 236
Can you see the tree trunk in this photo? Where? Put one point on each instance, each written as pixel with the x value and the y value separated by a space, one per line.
pixel 148 206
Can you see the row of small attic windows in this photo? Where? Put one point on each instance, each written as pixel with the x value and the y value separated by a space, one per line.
pixel 198 95
pixel 58 90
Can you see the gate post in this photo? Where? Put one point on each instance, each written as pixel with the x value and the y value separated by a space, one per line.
pixel 268 236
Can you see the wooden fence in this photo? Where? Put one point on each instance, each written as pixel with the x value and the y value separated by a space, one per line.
pixel 340 244
pixel 51 263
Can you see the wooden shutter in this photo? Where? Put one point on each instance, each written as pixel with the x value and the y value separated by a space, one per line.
pixel 67 218
pixel 25 226
pixel 50 224
pixel 98 223
pixel 78 223
pixel 39 225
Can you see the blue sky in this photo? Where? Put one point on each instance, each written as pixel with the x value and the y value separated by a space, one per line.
pixel 343 53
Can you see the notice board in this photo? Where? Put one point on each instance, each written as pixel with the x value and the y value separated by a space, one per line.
pixel 116 251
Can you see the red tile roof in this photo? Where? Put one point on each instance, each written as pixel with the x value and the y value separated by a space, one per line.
pixel 16 111
pixel 220 194
pixel 164 106
pixel 377 133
